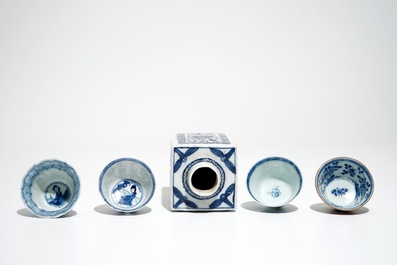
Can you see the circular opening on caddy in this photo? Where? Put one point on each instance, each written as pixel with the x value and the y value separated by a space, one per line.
pixel 204 179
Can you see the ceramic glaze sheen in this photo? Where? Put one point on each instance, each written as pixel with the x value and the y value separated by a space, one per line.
pixel 274 181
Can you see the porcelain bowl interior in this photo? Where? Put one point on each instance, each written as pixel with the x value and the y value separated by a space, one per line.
pixel 344 183
pixel 274 181
pixel 127 184
pixel 50 188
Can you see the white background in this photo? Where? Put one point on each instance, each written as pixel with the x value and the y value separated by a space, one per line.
pixel 87 82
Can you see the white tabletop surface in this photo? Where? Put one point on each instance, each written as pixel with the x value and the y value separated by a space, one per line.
pixel 87 82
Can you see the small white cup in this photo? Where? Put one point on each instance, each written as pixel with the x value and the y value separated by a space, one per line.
pixel 274 181
pixel 50 188
pixel 344 183
pixel 126 184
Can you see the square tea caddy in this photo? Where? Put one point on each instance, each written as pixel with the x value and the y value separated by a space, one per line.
pixel 203 172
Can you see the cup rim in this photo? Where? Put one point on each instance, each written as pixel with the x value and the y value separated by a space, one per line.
pixel 274 158
pixel 134 209
pixel 350 159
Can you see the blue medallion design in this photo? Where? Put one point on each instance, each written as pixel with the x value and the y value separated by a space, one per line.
pixel 224 198
pixel 127 193
pixel 57 194
pixel 275 192
pixel 225 158
pixel 182 199
pixel 183 157
pixel 339 192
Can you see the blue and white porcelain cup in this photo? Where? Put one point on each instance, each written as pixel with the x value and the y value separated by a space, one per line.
pixel 274 181
pixel 344 183
pixel 127 184
pixel 50 188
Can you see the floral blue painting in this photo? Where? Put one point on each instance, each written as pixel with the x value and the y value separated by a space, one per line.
pixel 339 192
pixel 275 193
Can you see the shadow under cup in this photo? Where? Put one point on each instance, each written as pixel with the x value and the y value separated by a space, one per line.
pixel 126 184
pixel 274 181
